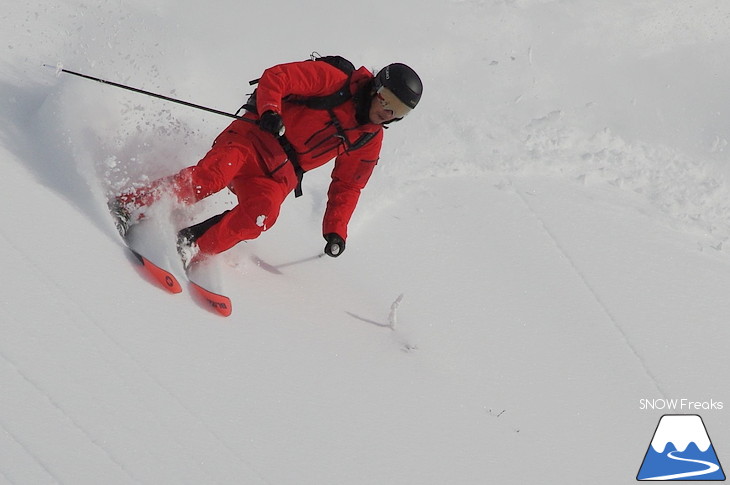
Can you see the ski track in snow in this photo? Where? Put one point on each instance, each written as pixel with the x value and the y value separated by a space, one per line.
pixel 609 314
pixel 18 439
pixel 66 416
pixel 82 321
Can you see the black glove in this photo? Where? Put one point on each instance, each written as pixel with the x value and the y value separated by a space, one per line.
pixel 271 122
pixel 335 245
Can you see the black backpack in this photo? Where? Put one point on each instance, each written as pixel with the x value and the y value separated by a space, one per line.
pixel 315 102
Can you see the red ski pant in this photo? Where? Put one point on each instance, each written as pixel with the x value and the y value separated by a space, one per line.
pixel 226 165
pixel 259 196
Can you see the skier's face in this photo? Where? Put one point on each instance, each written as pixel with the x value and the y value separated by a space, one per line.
pixel 380 112
pixel 386 107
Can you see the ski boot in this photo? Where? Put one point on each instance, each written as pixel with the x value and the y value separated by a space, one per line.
pixel 121 214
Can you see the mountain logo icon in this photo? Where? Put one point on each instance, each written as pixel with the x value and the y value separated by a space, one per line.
pixel 681 450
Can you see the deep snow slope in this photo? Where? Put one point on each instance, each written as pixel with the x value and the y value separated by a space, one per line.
pixel 542 246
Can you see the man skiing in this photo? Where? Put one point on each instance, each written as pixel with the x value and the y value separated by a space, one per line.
pixel 301 116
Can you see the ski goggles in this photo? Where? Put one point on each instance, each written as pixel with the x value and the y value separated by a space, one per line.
pixel 390 101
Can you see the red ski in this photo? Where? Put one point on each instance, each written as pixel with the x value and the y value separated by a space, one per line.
pixel 166 279
pixel 219 303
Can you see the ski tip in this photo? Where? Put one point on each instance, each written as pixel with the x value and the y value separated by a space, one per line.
pixel 218 303
pixel 166 279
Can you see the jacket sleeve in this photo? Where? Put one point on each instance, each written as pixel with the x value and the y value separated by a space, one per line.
pixel 350 175
pixel 303 78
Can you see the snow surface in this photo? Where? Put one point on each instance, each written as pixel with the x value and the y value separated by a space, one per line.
pixel 543 245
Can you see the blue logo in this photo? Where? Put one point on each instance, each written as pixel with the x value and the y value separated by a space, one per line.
pixel 681 450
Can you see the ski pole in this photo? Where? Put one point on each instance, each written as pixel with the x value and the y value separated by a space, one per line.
pixel 292 263
pixel 148 93
pixel 291 153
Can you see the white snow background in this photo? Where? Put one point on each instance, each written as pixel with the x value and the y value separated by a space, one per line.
pixel 543 245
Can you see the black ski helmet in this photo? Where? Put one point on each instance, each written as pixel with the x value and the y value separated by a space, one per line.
pixel 402 81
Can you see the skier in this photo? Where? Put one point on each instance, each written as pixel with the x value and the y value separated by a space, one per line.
pixel 301 116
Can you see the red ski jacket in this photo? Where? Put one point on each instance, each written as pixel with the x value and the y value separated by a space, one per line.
pixel 319 135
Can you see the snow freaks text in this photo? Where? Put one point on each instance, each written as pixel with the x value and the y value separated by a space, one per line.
pixel 680 405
